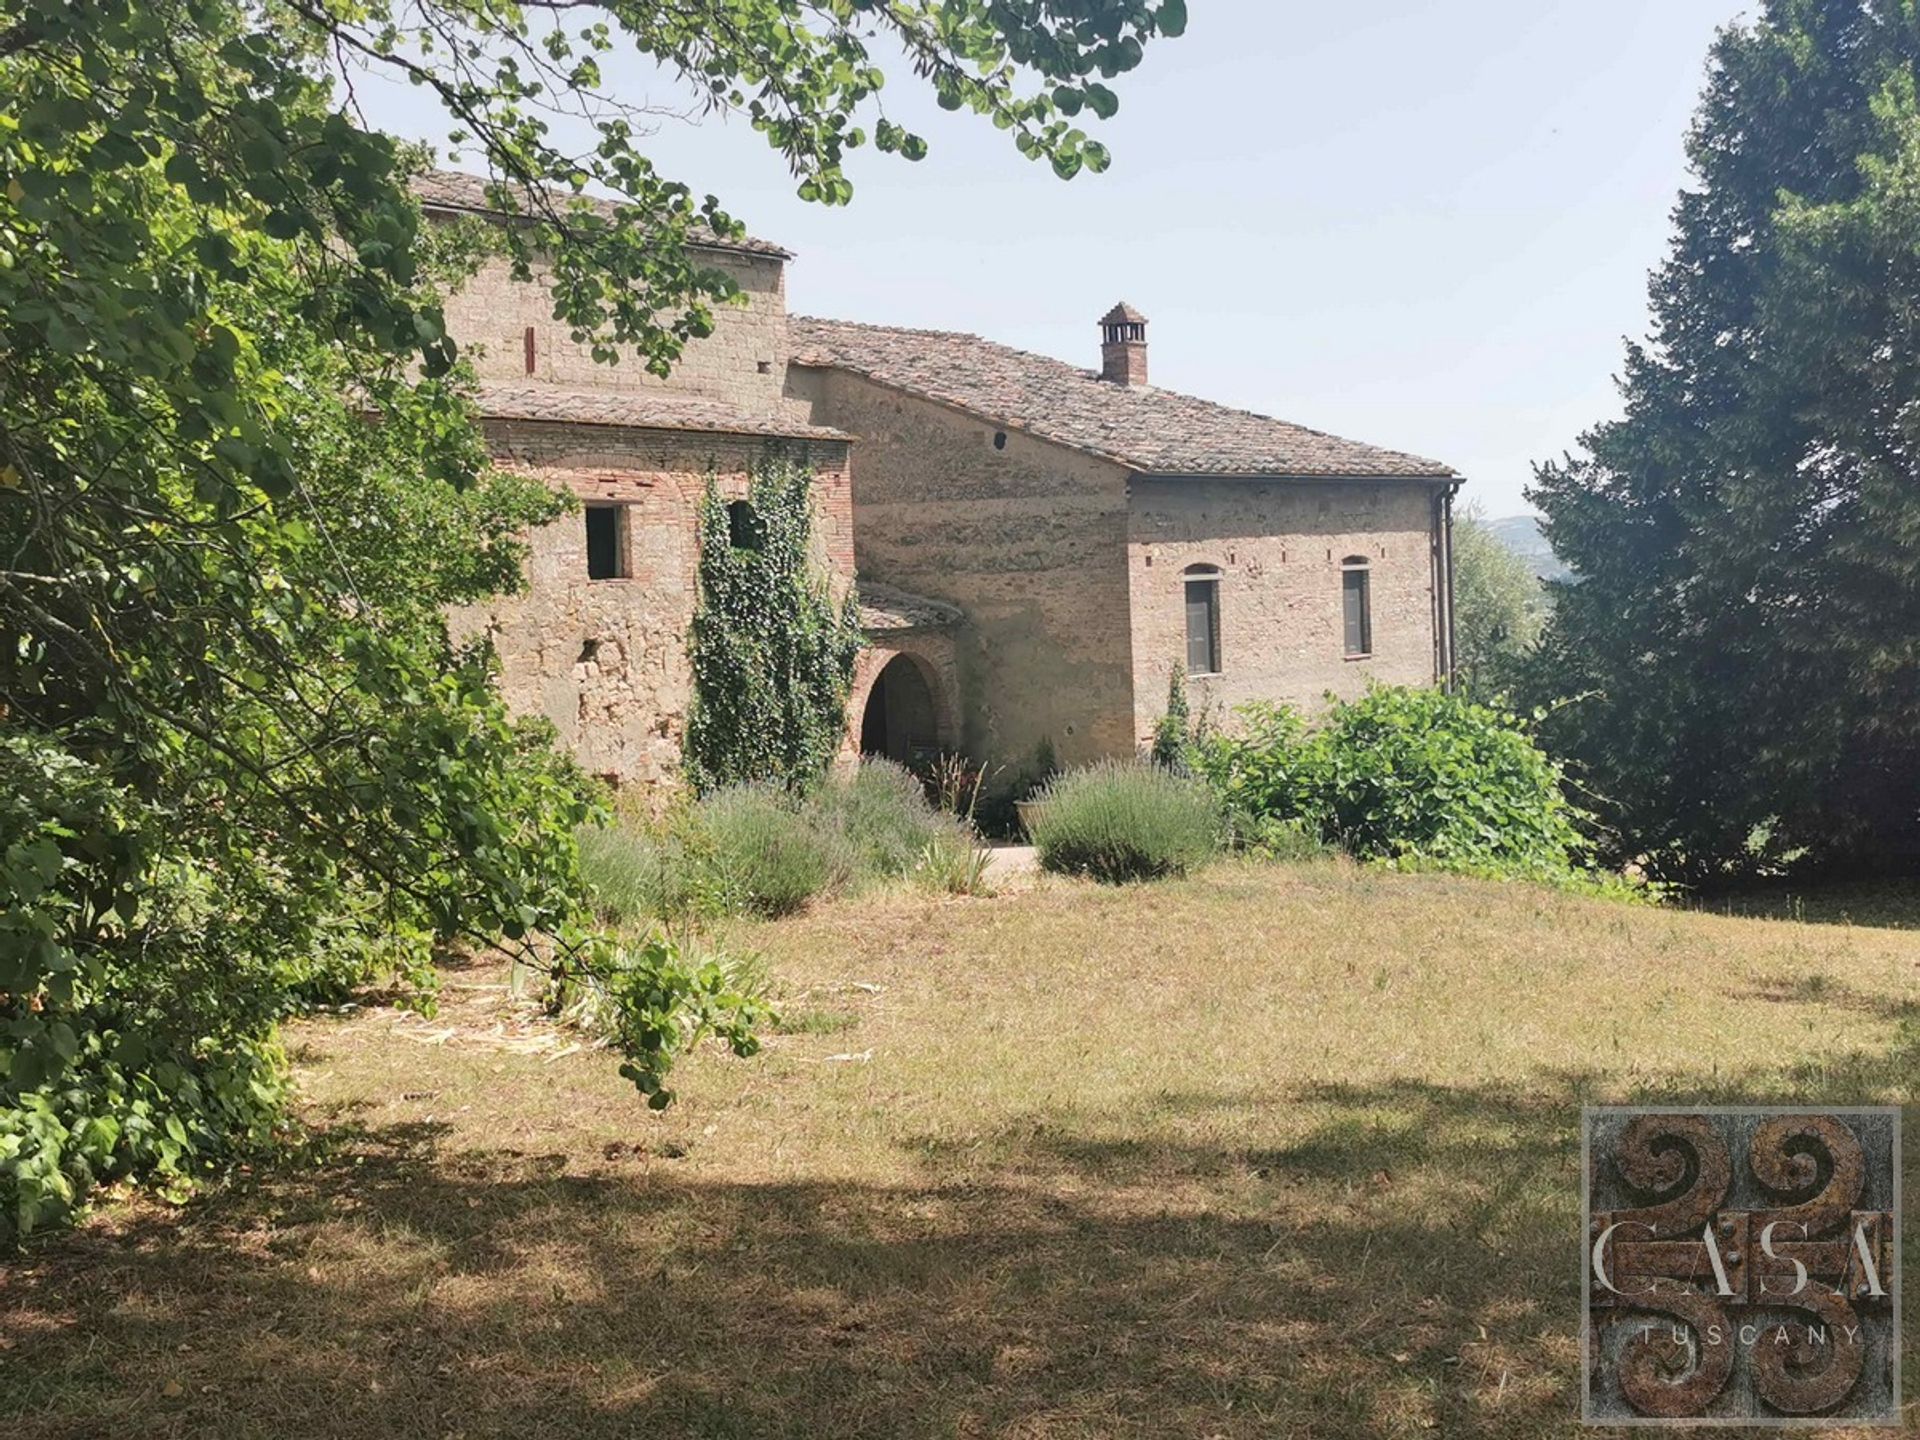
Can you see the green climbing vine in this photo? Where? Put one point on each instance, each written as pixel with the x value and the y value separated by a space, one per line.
pixel 772 654
pixel 1173 736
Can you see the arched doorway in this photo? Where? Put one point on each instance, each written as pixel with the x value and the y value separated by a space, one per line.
pixel 901 721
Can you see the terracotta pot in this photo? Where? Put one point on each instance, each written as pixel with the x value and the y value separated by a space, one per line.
pixel 1029 812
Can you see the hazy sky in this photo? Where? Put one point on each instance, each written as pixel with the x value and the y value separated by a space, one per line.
pixel 1427 226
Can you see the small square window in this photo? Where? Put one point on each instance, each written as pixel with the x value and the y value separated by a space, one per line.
pixel 606 542
pixel 744 528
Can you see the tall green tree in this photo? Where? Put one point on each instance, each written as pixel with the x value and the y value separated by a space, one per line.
pixel 1499 607
pixel 1745 636
pixel 239 483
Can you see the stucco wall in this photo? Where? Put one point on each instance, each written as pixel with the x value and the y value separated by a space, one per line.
pixel 1279 547
pixel 1029 540
pixel 491 313
pixel 606 660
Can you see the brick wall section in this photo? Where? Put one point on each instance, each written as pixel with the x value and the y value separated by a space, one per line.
pixel 490 315
pixel 1278 545
pixel 1029 540
pixel 606 660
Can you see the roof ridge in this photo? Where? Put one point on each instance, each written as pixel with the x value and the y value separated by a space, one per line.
pixel 888 329
pixel 1081 370
pixel 1150 429
pixel 444 189
pixel 999 345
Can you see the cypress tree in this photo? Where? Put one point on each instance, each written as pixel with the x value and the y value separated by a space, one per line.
pixel 1744 632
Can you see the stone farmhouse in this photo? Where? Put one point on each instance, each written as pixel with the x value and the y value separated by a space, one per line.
pixel 1035 545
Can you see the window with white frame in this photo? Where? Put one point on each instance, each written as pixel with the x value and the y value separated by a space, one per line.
pixel 1203 619
pixel 1356 605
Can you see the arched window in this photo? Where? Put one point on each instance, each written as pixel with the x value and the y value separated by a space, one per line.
pixel 744 530
pixel 1356 604
pixel 1203 619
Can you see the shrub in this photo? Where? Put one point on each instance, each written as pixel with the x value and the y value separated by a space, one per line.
pixel 1120 822
pixel 765 852
pixel 640 871
pixel 1264 771
pixel 1172 737
pixel 1281 839
pixel 660 996
pixel 1420 772
pixel 883 812
pixel 954 863
pixel 626 870
pixel 1401 774
pixel 892 830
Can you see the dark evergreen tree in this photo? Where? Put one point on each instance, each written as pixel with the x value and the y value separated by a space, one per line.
pixel 1745 634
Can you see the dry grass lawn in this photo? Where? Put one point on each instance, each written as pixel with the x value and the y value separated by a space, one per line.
pixel 1270 1152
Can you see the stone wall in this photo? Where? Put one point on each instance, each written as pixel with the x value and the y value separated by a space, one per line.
pixel 606 660
pixel 1279 547
pixel 1069 573
pixel 742 363
pixel 1029 539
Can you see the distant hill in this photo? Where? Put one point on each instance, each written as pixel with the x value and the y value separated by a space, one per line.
pixel 1521 534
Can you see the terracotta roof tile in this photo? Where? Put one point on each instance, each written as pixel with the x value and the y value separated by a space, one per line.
pixel 641 409
pixel 1147 429
pixel 452 190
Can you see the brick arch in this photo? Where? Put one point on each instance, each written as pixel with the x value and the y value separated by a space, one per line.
pixel 928 658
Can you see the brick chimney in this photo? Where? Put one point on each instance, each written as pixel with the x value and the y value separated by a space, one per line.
pixel 1123 346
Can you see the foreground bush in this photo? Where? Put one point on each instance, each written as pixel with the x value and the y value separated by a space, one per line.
pixel 1119 822
pixel 242 762
pixel 954 862
pixel 882 812
pixel 1402 774
pixel 629 871
pixel 765 854
pixel 661 996
pixel 1421 772
pixel 1264 771
pixel 763 850
pixel 221 609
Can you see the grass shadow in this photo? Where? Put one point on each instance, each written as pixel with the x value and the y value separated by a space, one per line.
pixel 1406 1266
pixel 1872 904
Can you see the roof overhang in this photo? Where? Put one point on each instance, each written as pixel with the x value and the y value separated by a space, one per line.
pixel 1302 478
pixel 452 192
pixel 639 410
pixel 887 611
